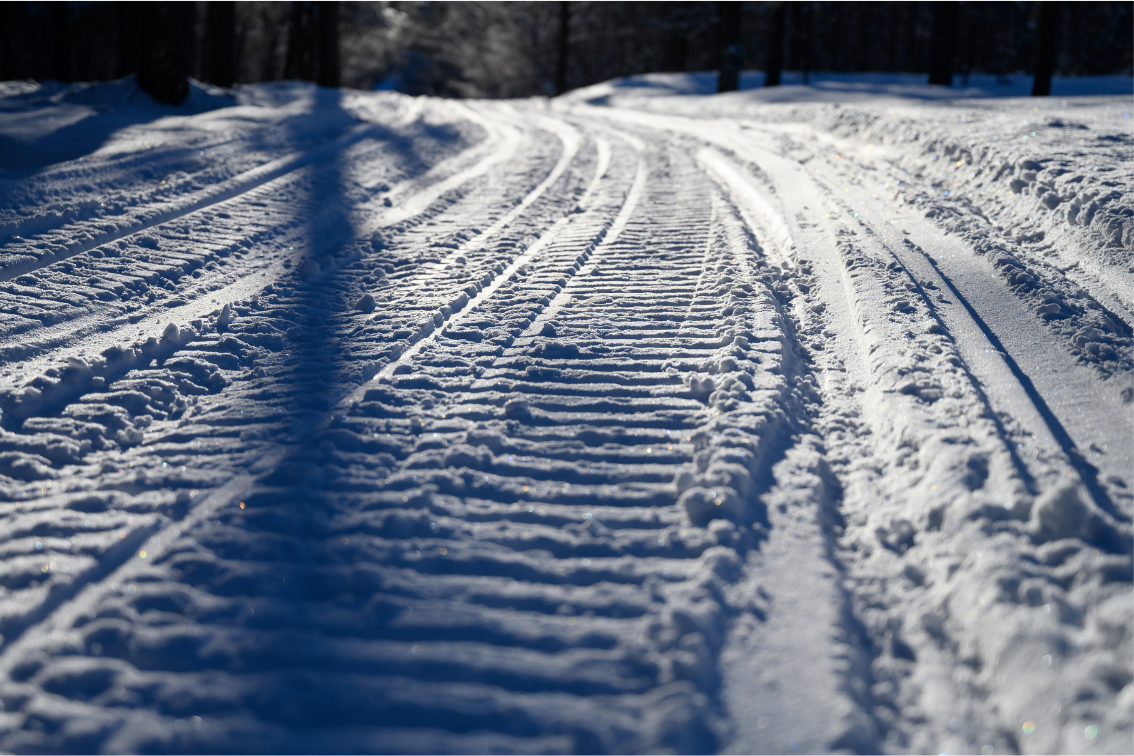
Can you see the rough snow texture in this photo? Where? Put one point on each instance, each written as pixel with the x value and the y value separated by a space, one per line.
pixel 357 423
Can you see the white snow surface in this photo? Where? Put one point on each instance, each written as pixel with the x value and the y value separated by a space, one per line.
pixel 639 420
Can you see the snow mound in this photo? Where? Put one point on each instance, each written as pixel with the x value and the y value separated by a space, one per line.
pixel 839 87
pixel 52 122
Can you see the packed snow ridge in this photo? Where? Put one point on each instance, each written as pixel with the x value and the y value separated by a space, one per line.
pixel 638 420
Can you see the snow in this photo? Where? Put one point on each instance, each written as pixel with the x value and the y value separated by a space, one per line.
pixel 640 419
pixel 49 123
pixel 842 87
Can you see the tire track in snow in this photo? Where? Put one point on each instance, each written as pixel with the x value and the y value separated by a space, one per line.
pixel 569 139
pixel 86 195
pixel 587 509
pixel 758 213
pixel 214 195
pixel 523 408
pixel 891 667
pixel 418 203
pixel 607 238
pixel 255 178
pixel 725 400
pixel 523 205
pixel 955 260
pixel 1087 472
pixel 1056 385
pixel 109 563
pixel 457 317
pixel 662 715
pixel 847 719
pixel 773 698
pixel 249 236
pixel 242 234
pixel 947 618
pixel 168 348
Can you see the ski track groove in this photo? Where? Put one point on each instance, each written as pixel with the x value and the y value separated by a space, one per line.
pixel 1087 472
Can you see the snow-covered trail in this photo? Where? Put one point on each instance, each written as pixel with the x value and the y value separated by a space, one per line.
pixel 516 427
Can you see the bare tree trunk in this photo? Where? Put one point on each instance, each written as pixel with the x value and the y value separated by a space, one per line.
pixel 794 24
pixel 964 43
pixel 299 38
pixel 911 62
pixel 776 46
pixel 163 71
pixel 678 52
pixel 185 22
pixel 893 33
pixel 127 38
pixel 807 20
pixel 944 36
pixel 1046 40
pixel 861 13
pixel 220 43
pixel 730 52
pixel 270 68
pixel 561 58
pixel 61 42
pixel 11 19
pixel 328 23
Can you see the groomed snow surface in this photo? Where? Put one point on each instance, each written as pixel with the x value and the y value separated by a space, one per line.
pixel 639 420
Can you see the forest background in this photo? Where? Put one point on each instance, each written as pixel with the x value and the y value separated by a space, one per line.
pixel 519 49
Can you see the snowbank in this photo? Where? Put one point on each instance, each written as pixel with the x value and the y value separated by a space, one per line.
pixel 840 87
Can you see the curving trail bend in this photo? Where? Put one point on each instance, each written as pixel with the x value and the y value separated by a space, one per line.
pixel 517 427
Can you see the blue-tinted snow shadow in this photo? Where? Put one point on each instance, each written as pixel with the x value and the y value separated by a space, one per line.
pixel 55 123
pixel 313 587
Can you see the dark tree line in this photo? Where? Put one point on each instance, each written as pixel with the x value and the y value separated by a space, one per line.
pixel 488 49
pixel 163 43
